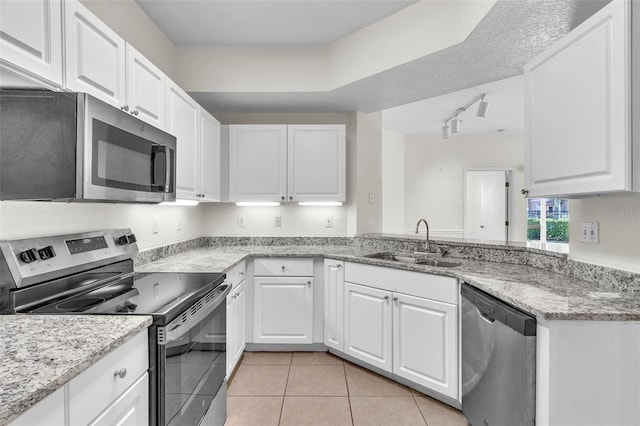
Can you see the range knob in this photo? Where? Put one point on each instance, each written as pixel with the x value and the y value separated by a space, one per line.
pixel 46 253
pixel 122 240
pixel 28 256
pixel 132 238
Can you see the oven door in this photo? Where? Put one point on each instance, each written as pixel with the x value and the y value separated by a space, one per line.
pixel 192 365
pixel 124 158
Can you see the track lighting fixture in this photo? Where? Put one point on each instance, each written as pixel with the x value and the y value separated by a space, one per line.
pixel 453 124
pixel 446 131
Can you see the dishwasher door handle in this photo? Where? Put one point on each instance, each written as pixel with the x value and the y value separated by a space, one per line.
pixel 485 317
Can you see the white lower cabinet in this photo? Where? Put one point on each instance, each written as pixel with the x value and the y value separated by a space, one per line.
pixel 424 343
pixel 333 317
pixel 283 300
pixel 405 323
pixel 367 325
pixel 236 313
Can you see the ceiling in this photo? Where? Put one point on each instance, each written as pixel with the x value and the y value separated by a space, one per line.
pixel 426 117
pixel 416 96
pixel 265 22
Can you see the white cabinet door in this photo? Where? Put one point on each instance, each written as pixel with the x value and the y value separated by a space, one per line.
pixel 316 162
pixel 334 304
pixel 130 409
pixel 95 56
pixel 31 37
pixel 425 348
pixel 367 325
pixel 182 122
pixel 49 411
pixel 209 158
pixel 236 311
pixel 577 109
pixel 240 315
pixel 146 88
pixel 283 310
pixel 257 162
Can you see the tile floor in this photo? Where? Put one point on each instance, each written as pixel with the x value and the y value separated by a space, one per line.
pixel 317 388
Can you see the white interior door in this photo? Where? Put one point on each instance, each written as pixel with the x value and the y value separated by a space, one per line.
pixel 486 205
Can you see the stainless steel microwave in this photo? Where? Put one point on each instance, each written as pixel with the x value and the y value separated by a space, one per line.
pixel 62 146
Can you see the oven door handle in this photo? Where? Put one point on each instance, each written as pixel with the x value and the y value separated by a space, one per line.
pixel 194 315
pixel 160 168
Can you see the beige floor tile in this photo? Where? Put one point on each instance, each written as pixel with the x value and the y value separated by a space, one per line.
pixel 317 380
pixel 316 411
pixel 263 380
pixel 265 358
pixel 362 382
pixel 253 410
pixel 438 414
pixel 384 411
pixel 316 358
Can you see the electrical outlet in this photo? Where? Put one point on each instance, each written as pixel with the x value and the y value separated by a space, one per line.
pixel 156 225
pixel 328 222
pixel 241 222
pixel 179 227
pixel 372 198
pixel 278 221
pixel 589 232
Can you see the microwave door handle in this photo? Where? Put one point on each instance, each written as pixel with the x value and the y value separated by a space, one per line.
pixel 159 152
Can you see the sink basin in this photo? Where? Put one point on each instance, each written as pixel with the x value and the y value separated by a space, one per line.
pixel 409 258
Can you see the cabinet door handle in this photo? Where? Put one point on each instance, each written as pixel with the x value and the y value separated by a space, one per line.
pixel 120 373
pixel 283 268
pixel 290 197
pixel 386 298
pixel 282 198
pixel 339 265
pixel 308 283
pixel 242 274
pixel 395 299
pixel 126 108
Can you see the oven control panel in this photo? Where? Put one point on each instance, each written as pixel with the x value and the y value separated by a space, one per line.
pixel 34 260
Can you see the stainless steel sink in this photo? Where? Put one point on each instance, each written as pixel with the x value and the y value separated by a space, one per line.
pixel 409 258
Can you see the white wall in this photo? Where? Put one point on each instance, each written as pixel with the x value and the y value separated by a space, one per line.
pixel 393 199
pixel 434 178
pixel 128 20
pixel 368 194
pixel 618 217
pixel 36 218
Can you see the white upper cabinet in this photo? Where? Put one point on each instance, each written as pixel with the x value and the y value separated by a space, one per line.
pixel 209 159
pixel 316 166
pixel 578 137
pixel 31 38
pixel 183 115
pixel 257 162
pixel 146 87
pixel 95 56
pixel 287 163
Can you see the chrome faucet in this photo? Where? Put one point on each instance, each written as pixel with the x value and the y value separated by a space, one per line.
pixel 426 244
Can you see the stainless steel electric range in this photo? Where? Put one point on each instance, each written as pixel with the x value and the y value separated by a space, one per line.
pixel 92 273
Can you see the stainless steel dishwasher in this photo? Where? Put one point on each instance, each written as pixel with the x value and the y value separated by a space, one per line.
pixel 498 361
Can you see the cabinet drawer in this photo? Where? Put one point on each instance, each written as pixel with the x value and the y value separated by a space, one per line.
pixel 131 408
pixel 283 267
pixel 93 390
pixel 435 287
pixel 236 274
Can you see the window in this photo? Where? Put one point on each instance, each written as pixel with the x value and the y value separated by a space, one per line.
pixel 548 224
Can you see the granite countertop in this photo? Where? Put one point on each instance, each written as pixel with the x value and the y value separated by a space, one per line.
pixel 40 353
pixel 545 294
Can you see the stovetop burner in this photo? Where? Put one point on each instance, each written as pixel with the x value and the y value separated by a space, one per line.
pixel 79 305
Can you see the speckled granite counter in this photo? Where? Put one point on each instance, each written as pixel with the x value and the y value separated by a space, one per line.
pixel 534 289
pixel 40 353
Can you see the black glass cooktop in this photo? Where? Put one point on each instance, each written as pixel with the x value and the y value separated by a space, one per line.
pixel 162 295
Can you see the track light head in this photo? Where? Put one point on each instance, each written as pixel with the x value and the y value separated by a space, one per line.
pixel 456 125
pixel 446 131
pixel 483 107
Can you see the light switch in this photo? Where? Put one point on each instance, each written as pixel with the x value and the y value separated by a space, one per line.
pixel 589 232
